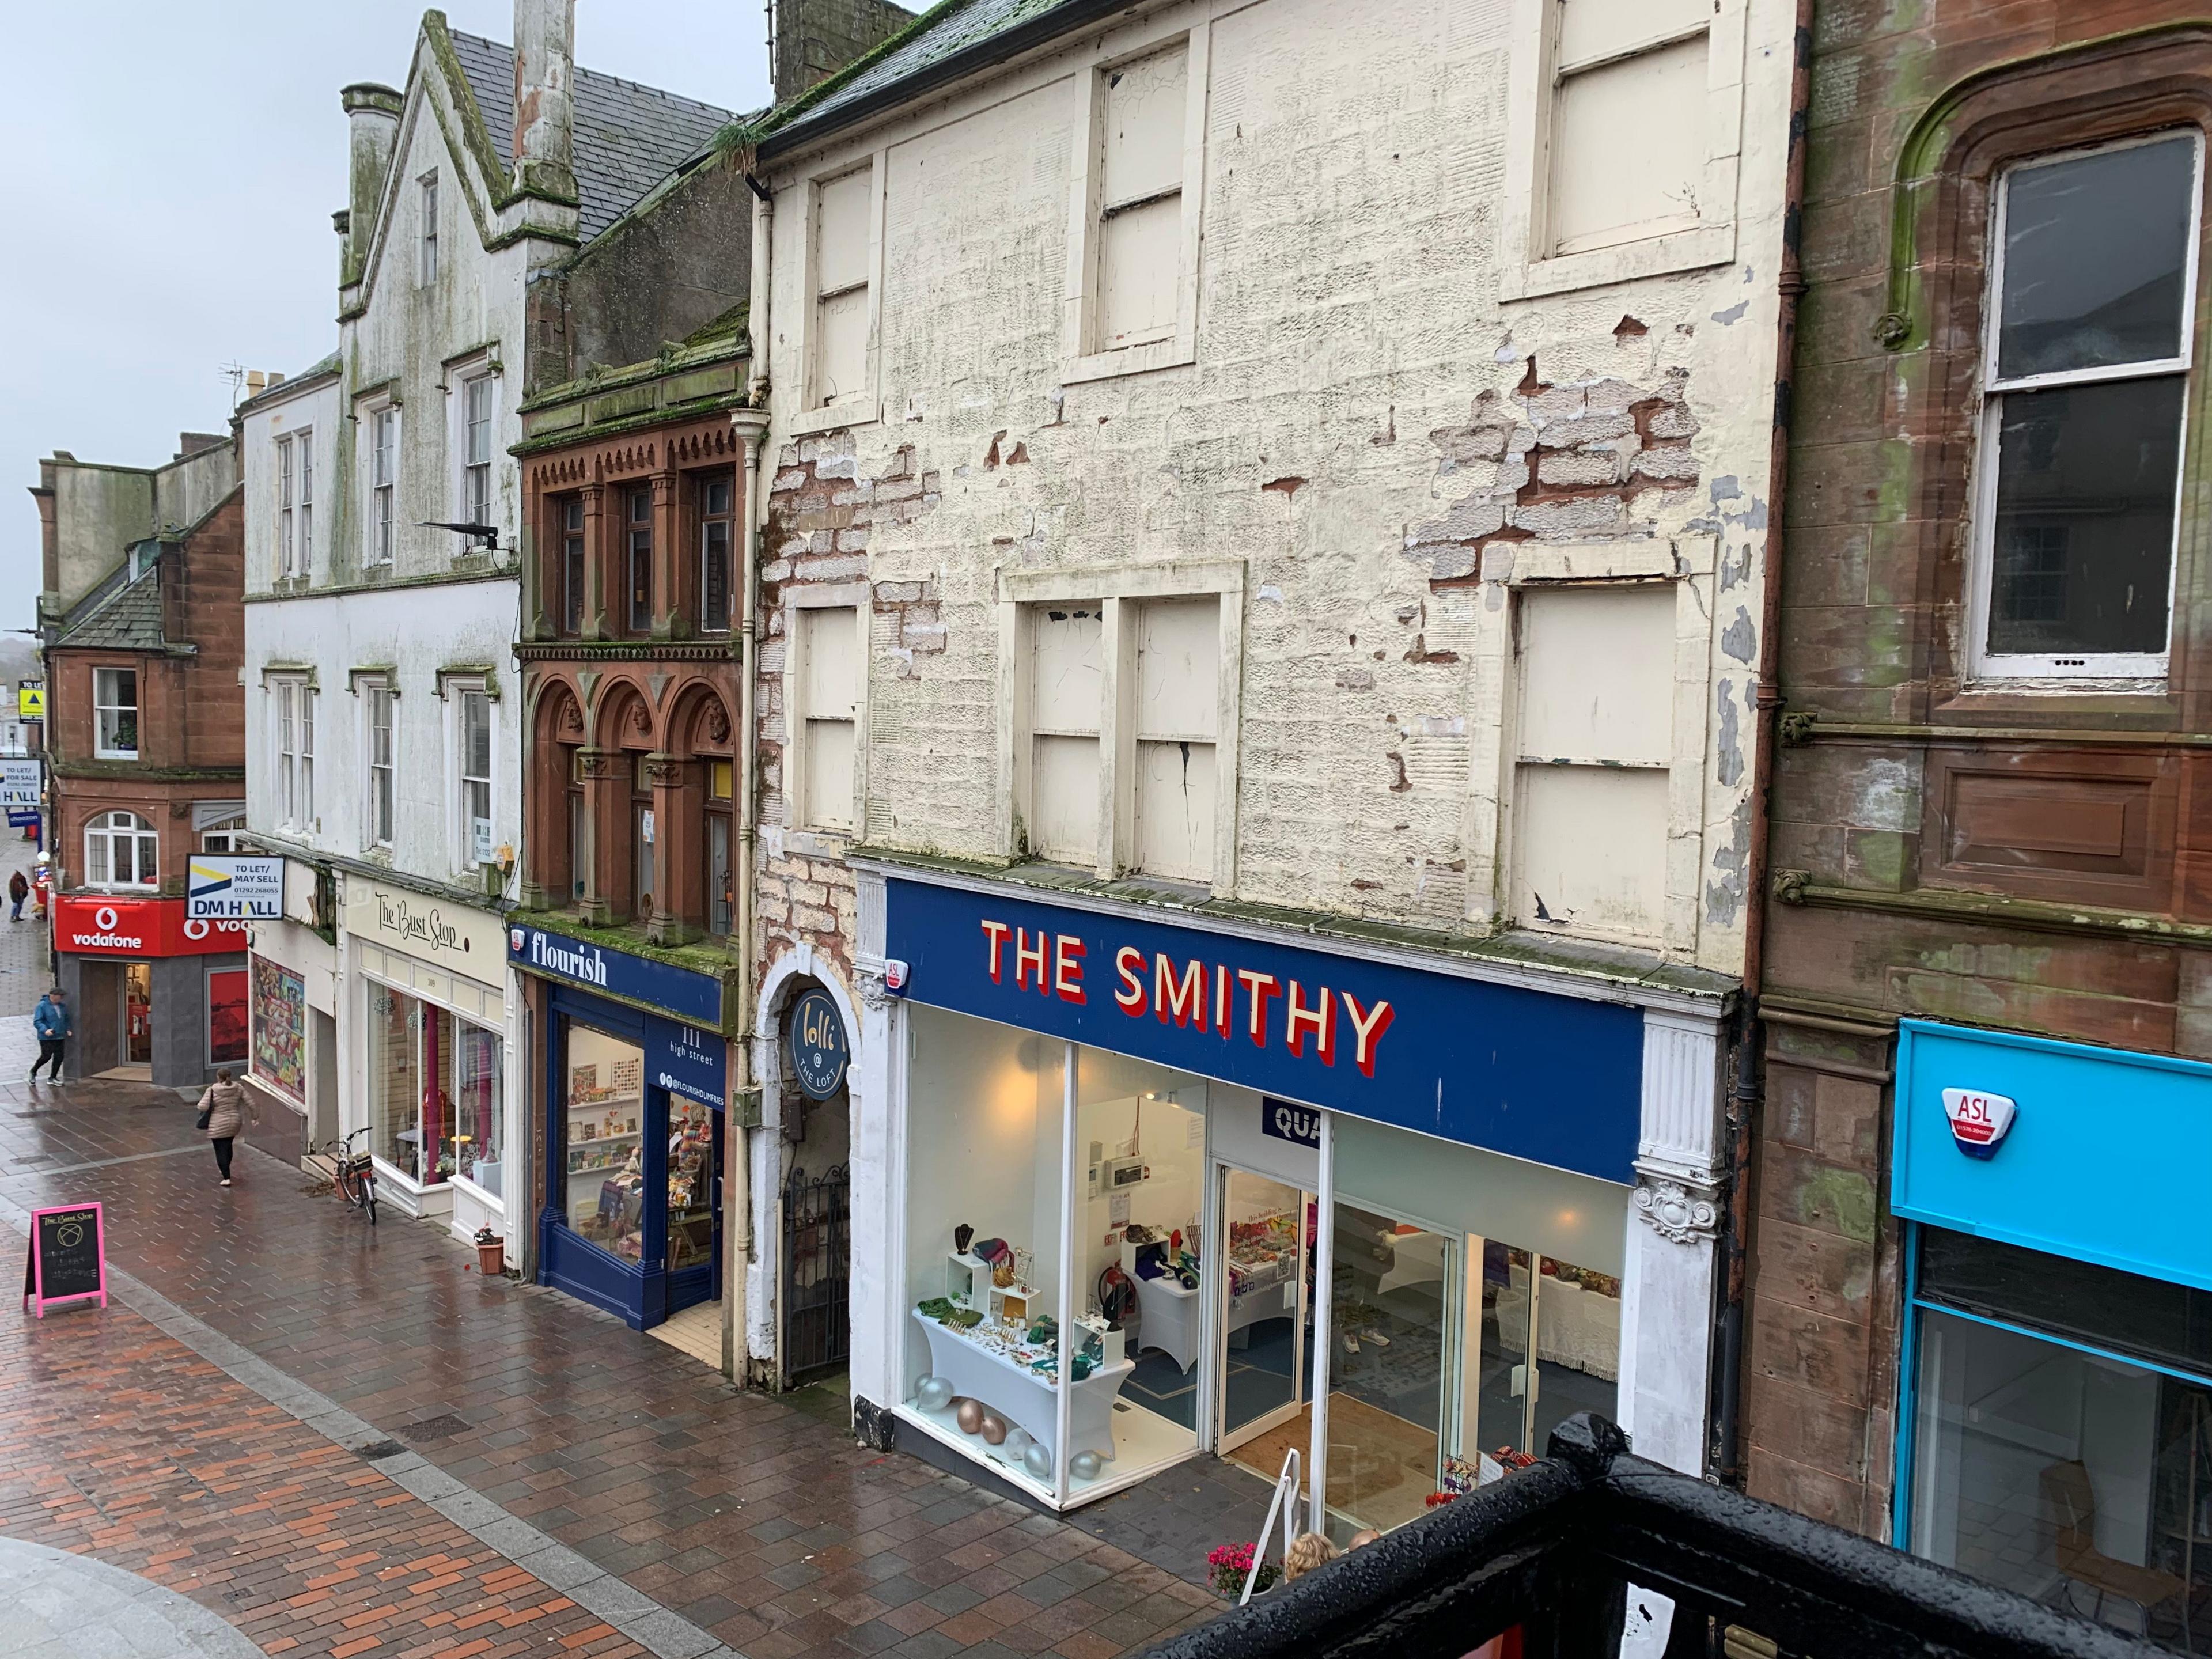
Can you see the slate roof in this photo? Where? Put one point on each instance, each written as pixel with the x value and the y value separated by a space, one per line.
pixel 127 617
pixel 627 137
pixel 944 30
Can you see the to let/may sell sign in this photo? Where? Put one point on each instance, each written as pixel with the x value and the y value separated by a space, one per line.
pixel 230 887
pixel 19 784
pixel 31 701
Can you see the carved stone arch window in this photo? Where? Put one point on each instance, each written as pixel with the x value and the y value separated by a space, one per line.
pixel 2046 221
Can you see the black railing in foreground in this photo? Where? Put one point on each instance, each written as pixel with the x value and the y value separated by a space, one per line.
pixel 1553 1547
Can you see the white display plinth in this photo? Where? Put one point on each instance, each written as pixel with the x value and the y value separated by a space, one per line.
pixel 1022 1398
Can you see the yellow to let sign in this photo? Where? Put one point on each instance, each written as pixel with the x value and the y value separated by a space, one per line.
pixel 31 703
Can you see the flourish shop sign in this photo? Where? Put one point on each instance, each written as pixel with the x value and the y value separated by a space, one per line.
pixel 1552 1078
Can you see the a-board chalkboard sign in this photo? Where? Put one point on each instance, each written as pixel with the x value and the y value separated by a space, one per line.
pixel 69 1257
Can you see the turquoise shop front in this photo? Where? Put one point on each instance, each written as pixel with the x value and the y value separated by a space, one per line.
pixel 634 1085
pixel 2054 1417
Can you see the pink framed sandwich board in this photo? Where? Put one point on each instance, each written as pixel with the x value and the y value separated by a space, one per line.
pixel 69 1257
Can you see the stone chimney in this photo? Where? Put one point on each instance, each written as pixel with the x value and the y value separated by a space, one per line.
pixel 373 128
pixel 810 41
pixel 544 107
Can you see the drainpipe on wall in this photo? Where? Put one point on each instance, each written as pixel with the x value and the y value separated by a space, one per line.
pixel 1748 1095
pixel 751 424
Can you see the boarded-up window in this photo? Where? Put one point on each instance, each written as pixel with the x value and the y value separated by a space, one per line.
pixel 1177 713
pixel 1629 124
pixel 1596 695
pixel 830 714
pixel 841 288
pixel 1141 199
pixel 1066 685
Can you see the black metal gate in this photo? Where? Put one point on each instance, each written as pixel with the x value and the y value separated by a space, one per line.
pixel 817 1238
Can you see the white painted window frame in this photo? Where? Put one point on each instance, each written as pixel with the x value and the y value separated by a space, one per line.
pixel 451 687
pixel 2123 671
pixel 287 544
pixel 1118 590
pixel 1690 563
pixel 1079 359
pixel 867 406
pixel 224 837
pixel 1527 271
pixel 140 828
pixel 461 373
pixel 138 706
pixel 856 597
pixel 426 229
pixel 293 752
pixel 369 688
pixel 381 510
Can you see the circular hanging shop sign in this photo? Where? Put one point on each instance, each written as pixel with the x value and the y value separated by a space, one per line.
pixel 820 1053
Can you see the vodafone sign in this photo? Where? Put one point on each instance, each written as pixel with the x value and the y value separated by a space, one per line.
pixel 91 925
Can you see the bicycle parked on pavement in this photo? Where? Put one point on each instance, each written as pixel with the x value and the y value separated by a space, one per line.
pixel 354 1173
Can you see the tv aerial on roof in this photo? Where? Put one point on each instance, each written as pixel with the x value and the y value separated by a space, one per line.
pixel 486 533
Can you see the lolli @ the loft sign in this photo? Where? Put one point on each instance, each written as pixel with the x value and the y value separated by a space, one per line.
pixel 820 1053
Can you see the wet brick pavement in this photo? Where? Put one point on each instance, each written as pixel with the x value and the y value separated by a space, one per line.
pixel 768 1528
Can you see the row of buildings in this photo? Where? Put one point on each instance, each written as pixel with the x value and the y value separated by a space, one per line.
pixel 1541 653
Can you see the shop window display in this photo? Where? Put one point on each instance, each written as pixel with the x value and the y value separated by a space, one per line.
pixel 604 1156
pixel 1016 1232
pixel 690 1175
pixel 479 1130
pixel 2078 1470
pixel 435 1110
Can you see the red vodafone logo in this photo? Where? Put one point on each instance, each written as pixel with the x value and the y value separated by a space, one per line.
pixel 96 925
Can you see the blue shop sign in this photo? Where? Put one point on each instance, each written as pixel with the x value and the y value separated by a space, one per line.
pixel 694 997
pixel 2097 1154
pixel 1554 1080
pixel 688 1061
pixel 819 1050
pixel 1299 1125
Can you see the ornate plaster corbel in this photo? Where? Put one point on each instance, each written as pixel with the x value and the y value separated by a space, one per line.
pixel 1683 1214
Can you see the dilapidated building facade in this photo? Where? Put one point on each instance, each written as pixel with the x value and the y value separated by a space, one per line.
pixel 1260 600
pixel 1978 1317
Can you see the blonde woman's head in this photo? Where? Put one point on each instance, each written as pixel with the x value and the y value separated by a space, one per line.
pixel 1308 1550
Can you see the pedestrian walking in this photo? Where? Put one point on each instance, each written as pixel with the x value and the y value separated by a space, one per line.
pixel 51 1021
pixel 19 889
pixel 224 1111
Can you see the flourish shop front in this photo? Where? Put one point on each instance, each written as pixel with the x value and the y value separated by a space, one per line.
pixel 633 1084
pixel 1346 1203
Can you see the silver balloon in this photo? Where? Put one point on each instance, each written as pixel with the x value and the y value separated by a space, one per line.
pixel 1037 1460
pixel 1085 1465
pixel 932 1394
pixel 1017 1442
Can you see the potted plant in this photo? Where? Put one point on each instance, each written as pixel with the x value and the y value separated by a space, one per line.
pixel 1229 1565
pixel 491 1253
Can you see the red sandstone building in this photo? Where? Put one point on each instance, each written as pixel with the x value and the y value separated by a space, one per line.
pixel 143 630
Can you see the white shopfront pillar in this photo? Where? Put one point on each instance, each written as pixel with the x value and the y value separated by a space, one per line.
pixel 1673 1254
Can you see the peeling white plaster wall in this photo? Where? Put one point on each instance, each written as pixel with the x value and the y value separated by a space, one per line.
pixel 1349 331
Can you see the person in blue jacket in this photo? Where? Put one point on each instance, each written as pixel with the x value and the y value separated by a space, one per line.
pixel 51 1020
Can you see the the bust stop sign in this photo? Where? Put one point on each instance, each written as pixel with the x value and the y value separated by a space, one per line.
pixel 819 1052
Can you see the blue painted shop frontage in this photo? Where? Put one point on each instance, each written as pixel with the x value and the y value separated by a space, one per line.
pixel 2055 1423
pixel 1396 1211
pixel 632 1074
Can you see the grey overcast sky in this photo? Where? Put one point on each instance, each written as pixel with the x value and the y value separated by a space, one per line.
pixel 171 176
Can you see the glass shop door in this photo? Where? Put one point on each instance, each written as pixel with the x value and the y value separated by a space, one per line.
pixel 1263 1295
pixel 137 1013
